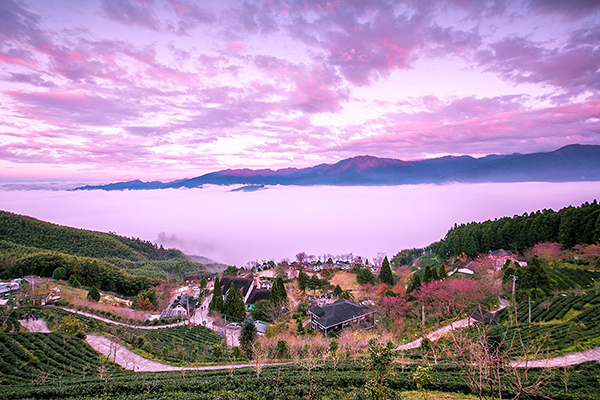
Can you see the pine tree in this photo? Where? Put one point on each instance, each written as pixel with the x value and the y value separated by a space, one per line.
pixel 442 274
pixel 338 290
pixel 248 335
pixel 414 284
pixel 427 275
pixel 73 282
pixel 230 299
pixel 216 304
pixel 238 312
pixel 94 294
pixel 385 275
pixel 59 274
pixel 278 293
pixel 302 281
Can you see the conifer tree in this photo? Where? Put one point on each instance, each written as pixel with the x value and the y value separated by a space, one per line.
pixel 427 275
pixel 385 275
pixel 414 284
pixel 216 304
pixel 238 311
pixel 278 293
pixel 442 274
pixel 94 294
pixel 73 282
pixel 230 300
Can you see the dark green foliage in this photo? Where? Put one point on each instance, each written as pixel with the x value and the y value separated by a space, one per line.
pixel 442 274
pixel 234 307
pixel 414 284
pixel 299 327
pixel 338 290
pixel 94 294
pixel 231 271
pixel 278 294
pixel 429 275
pixel 533 276
pixel 59 274
pixel 73 282
pixel 248 335
pixel 31 232
pixel 569 226
pixel 216 303
pixel 365 276
pixel 107 261
pixel 303 281
pixel 282 349
pixel 385 274
pixel 260 311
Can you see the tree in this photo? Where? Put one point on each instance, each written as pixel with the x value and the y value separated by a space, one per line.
pixel 533 276
pixel 442 274
pixel 278 293
pixel 230 299
pixel 234 304
pixel 427 275
pixel 414 284
pixel 216 303
pixel 94 294
pixel 203 283
pixel 338 290
pixel 248 335
pixel 385 274
pixel 576 331
pixel 365 276
pixel 379 366
pixel 302 281
pixel 73 282
pixel 59 274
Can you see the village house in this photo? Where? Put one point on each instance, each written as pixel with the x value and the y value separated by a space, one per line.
pixel 249 285
pixel 182 307
pixel 339 315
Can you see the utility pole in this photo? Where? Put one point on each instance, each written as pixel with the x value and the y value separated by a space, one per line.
pixel 423 320
pixel 529 319
pixel 514 304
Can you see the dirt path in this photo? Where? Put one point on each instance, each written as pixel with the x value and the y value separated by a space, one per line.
pixel 35 326
pixel 134 362
pixel 110 321
pixel 561 361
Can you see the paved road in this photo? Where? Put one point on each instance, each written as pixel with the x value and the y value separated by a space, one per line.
pixel 134 362
pixel 561 361
pixel 110 321
pixel 435 335
pixel 35 326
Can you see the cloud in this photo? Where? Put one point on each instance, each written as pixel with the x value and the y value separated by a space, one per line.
pixel 131 12
pixel 572 66
pixel 191 15
pixel 571 9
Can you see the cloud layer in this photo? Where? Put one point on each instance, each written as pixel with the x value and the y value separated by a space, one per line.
pixel 164 89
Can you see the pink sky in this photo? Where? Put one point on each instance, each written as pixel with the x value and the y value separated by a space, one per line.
pixel 164 89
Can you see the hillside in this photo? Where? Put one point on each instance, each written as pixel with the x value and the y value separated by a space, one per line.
pixel 125 265
pixel 569 163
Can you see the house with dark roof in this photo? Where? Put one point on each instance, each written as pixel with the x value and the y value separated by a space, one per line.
pixel 183 306
pixel 339 315
pixel 485 317
pixel 248 284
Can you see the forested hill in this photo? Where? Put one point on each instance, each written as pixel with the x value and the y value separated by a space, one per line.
pixel 32 247
pixel 569 226
pixel 31 232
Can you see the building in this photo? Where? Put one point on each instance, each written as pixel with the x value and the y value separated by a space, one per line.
pixel 339 315
pixel 182 307
pixel 248 284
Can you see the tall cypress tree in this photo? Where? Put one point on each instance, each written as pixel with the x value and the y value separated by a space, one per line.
pixel 238 311
pixel 427 275
pixel 385 275
pixel 230 300
pixel 415 283
pixel 216 304
pixel 442 274
pixel 278 293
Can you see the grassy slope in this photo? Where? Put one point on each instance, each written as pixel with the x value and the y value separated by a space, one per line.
pixel 30 246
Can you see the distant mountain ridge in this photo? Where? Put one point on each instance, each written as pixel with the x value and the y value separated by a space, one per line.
pixel 570 163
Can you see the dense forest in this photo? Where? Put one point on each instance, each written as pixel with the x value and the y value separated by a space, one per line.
pixel 115 263
pixel 569 226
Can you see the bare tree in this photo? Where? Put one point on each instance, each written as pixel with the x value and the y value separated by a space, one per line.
pixel 484 355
